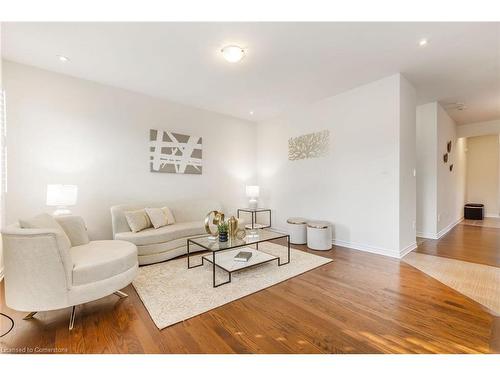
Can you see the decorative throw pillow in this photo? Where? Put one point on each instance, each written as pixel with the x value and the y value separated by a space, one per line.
pixel 157 217
pixel 75 229
pixel 169 215
pixel 137 220
pixel 46 221
pixel 160 216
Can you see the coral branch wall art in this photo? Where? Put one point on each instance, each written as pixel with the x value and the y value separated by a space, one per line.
pixel 313 145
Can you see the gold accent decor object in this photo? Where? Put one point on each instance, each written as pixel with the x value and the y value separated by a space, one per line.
pixel 240 234
pixel 232 226
pixel 215 218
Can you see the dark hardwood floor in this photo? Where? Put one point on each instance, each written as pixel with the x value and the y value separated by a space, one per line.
pixel 360 303
pixel 466 242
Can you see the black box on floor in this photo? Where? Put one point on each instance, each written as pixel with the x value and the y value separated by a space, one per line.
pixel 474 211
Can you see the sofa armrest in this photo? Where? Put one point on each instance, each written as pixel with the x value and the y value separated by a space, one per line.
pixel 17 231
pixel 34 266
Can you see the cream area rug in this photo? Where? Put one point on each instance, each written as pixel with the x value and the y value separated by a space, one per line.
pixel 172 293
pixel 476 281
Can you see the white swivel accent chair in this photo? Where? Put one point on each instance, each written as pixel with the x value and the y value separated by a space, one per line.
pixel 50 264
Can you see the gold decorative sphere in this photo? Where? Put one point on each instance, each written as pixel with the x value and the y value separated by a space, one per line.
pixel 215 218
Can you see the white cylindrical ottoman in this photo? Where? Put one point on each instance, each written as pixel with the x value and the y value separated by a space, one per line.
pixel 319 235
pixel 297 229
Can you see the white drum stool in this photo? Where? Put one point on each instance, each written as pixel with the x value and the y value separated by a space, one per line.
pixel 319 235
pixel 297 229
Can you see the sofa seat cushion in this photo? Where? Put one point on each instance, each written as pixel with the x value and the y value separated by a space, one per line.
pixel 99 260
pixel 163 234
pixel 156 248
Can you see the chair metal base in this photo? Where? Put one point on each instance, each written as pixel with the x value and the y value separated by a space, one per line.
pixel 30 315
pixel 120 294
pixel 72 318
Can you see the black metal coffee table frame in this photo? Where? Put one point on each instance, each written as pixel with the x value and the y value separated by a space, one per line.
pixel 214 252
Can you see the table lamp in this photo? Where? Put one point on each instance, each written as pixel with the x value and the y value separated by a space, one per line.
pixel 252 192
pixel 61 196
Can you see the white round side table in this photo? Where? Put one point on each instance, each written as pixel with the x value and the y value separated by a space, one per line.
pixel 319 235
pixel 297 229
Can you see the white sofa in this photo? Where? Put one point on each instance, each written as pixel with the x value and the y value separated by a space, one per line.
pixel 57 266
pixel 157 245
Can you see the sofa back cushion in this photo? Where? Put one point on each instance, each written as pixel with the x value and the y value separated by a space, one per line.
pixel 193 210
pixel 169 215
pixel 182 211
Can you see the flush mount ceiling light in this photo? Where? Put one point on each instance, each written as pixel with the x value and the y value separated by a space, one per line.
pixel 62 58
pixel 233 53
pixel 459 106
pixel 423 42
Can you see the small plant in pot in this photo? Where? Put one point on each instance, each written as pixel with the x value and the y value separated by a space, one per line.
pixel 222 229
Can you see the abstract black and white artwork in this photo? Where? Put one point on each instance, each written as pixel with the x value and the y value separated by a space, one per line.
pixel 174 153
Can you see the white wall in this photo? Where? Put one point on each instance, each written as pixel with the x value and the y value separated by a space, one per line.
pixel 0 54
pixel 460 168
pixel 1 208
pixel 72 131
pixel 440 193
pixel 479 128
pixel 427 170
pixel 450 185
pixel 407 166
pixel 482 173
pixel 357 186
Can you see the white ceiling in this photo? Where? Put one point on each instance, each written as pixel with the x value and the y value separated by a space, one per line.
pixel 287 64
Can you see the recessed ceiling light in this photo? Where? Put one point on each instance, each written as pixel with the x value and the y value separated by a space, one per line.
pixel 251 113
pixel 63 58
pixel 233 53
pixel 423 42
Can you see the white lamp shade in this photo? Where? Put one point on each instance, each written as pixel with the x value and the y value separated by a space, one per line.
pixel 252 191
pixel 61 195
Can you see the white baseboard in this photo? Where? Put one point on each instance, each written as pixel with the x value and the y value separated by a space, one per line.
pixel 445 230
pixel 431 236
pixel 1 274
pixel 441 233
pixel 367 248
pixel 493 216
pixel 407 249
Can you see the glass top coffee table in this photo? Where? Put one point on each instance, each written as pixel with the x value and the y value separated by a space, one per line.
pixel 222 253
